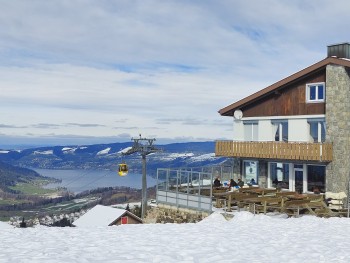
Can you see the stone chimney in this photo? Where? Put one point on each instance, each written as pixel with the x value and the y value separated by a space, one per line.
pixel 339 50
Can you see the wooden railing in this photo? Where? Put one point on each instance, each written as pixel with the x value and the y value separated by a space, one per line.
pixel 322 152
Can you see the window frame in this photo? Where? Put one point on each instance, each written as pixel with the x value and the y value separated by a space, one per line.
pixel 317 85
pixel 251 131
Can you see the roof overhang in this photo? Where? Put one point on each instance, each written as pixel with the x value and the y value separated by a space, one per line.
pixel 229 110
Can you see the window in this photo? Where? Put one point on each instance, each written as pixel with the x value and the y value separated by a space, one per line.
pixel 281 131
pixel 316 178
pixel 279 175
pixel 251 131
pixel 250 171
pixel 315 92
pixel 317 130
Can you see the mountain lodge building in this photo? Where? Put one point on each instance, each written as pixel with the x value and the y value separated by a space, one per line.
pixel 295 134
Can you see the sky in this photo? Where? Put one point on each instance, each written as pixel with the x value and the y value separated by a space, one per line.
pixel 244 238
pixel 78 72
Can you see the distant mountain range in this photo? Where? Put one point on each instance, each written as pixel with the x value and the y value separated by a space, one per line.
pixel 108 156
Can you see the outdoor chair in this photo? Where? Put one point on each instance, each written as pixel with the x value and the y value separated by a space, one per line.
pixel 336 203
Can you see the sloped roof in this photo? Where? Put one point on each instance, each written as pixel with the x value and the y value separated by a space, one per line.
pixel 228 111
pixel 101 216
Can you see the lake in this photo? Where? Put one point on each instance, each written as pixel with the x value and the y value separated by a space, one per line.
pixel 81 180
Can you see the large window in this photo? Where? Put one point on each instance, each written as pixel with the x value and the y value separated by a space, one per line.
pixel 315 92
pixel 317 131
pixel 316 178
pixel 250 171
pixel 279 175
pixel 251 131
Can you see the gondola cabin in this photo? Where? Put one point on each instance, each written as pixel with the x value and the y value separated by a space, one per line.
pixel 123 169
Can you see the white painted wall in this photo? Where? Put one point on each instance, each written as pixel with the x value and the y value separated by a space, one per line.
pixel 238 130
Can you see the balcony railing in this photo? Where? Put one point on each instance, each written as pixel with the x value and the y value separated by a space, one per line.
pixel 321 152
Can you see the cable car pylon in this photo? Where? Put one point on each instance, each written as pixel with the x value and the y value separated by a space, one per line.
pixel 145 147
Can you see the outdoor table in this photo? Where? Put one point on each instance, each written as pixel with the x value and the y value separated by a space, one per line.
pixel 264 201
pixel 298 202
pixel 220 195
pixel 258 190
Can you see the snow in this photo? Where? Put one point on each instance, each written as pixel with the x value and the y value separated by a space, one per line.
pixel 44 152
pixel 173 156
pixel 245 238
pixel 99 215
pixel 105 151
pixel 203 157
pixel 68 150
pixel 125 150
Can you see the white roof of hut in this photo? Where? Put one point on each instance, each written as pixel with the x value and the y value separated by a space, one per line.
pixel 101 216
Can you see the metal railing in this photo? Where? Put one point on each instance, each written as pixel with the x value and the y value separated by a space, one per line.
pixel 322 152
pixel 189 187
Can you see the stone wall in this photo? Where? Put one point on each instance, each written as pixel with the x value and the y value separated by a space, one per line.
pixel 262 181
pixel 169 214
pixel 338 127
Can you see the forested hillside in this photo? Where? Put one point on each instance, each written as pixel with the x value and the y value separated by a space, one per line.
pixel 11 175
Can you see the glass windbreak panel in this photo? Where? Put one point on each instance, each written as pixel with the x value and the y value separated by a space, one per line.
pixel 323 131
pixel 255 132
pixel 279 174
pixel 312 92
pixel 320 92
pixel 248 135
pixel 183 182
pixel 314 131
pixel 205 187
pixel 194 179
pixel 162 179
pixel 284 131
pixel 316 178
pixel 281 131
pixel 277 134
pixel 173 181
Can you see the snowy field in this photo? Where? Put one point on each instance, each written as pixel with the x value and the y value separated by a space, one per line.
pixel 245 238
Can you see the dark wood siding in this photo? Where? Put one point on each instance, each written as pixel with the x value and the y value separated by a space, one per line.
pixel 131 220
pixel 289 100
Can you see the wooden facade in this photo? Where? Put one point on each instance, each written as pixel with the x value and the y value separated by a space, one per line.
pixel 128 217
pixel 318 152
pixel 294 100
pixel 288 100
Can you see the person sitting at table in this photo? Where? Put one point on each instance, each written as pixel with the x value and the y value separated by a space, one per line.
pixel 240 182
pixel 233 183
pixel 252 182
pixel 217 182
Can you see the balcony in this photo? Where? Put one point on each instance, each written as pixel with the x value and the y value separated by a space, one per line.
pixel 320 152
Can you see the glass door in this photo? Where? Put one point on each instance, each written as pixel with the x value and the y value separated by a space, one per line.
pixel 298 184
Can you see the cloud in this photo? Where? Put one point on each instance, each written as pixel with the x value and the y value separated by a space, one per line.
pixel 5 126
pixel 161 68
pixel 85 125
pixel 45 126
